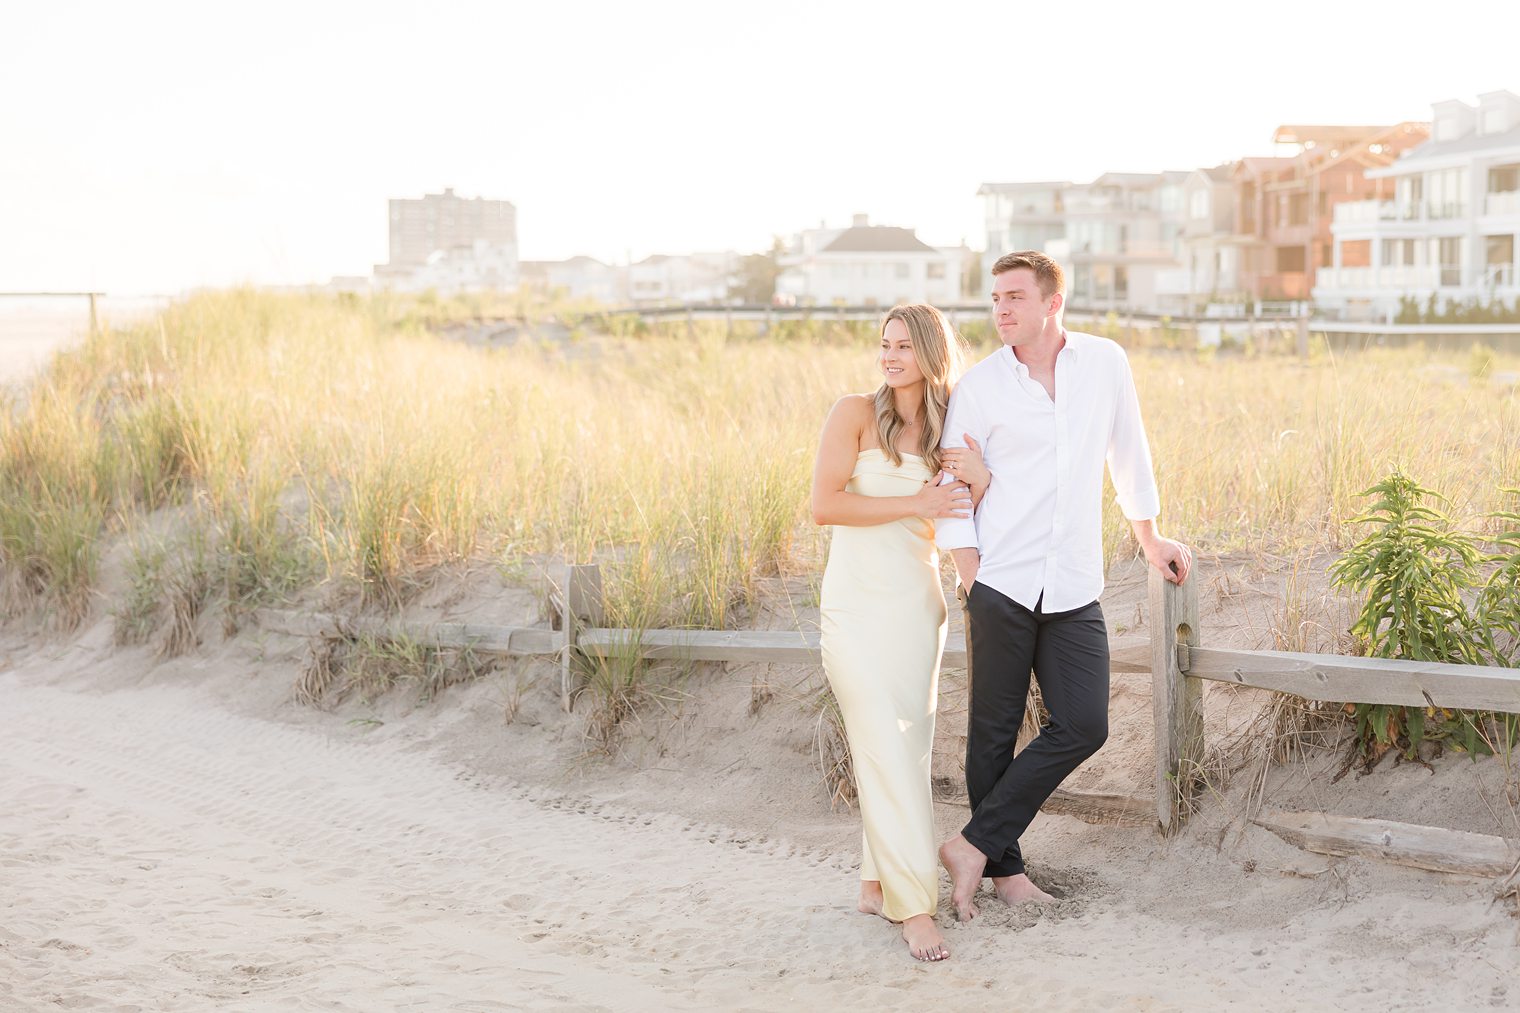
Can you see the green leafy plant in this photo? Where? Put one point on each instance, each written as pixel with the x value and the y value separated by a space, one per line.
pixel 1413 566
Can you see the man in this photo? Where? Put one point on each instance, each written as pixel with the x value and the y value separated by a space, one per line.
pixel 1048 409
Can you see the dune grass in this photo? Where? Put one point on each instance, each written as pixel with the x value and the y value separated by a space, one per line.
pixel 247 445
pixel 308 438
pixel 313 438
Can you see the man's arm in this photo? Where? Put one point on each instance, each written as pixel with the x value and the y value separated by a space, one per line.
pixel 1129 465
pixel 958 535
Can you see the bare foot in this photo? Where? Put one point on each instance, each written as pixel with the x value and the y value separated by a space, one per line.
pixel 1019 890
pixel 923 938
pixel 870 898
pixel 965 864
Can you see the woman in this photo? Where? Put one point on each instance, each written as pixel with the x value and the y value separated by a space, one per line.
pixel 883 610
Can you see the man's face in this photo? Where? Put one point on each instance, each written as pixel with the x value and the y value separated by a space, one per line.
pixel 1019 310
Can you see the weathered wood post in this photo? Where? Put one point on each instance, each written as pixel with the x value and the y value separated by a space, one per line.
pixel 1301 341
pixel 94 315
pixel 580 604
pixel 1178 699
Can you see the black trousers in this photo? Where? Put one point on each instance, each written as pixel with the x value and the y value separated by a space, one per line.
pixel 1068 654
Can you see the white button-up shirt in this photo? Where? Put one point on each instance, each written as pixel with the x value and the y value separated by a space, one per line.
pixel 1039 527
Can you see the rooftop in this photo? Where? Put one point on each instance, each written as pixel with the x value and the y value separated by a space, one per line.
pixel 877 239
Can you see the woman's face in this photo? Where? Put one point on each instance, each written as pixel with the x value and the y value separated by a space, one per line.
pixel 897 362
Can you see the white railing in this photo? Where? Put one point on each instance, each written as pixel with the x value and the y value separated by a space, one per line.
pixel 1405 277
pixel 1499 276
pixel 1364 212
pixel 1504 202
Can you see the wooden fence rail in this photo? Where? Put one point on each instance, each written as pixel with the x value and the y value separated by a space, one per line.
pixel 1173 655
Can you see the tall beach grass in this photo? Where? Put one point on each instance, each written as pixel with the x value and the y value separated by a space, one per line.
pixel 310 438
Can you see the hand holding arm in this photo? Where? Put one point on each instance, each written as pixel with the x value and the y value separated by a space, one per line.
pixel 838 450
pixel 967 464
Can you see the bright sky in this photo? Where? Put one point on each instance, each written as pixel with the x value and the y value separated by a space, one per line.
pixel 152 147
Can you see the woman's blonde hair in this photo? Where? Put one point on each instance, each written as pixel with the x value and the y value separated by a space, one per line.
pixel 940 355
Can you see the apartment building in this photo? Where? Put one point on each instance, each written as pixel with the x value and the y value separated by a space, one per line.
pixel 441 221
pixel 1446 226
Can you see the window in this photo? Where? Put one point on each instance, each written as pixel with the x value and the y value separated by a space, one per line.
pixel 1450 250
pixel 936 271
pixel 902 270
pixel 1290 259
pixel 1500 249
pixel 1298 209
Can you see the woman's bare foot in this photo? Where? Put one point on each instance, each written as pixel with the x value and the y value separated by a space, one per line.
pixel 923 938
pixel 1019 890
pixel 870 898
pixel 965 864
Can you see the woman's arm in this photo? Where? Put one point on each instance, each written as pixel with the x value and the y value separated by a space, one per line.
pixel 838 448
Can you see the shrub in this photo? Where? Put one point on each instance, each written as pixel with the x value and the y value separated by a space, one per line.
pixel 1413 567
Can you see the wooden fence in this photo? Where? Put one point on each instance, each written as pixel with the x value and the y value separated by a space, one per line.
pixel 1173 655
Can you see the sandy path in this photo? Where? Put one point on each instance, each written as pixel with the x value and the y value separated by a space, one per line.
pixel 161 854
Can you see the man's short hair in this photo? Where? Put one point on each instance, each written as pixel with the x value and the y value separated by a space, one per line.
pixel 1047 273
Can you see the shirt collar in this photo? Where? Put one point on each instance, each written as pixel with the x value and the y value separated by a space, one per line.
pixel 1075 342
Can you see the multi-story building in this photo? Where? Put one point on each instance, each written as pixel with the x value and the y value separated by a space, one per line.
pixel 1021 216
pixel 1447 225
pixel 868 265
pixel 1215 255
pixel 442 221
pixel 1288 204
pixel 1122 243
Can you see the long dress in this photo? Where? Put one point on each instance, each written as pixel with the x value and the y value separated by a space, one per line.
pixel 882 633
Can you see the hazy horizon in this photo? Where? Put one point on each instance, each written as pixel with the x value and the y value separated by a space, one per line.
pixel 167 146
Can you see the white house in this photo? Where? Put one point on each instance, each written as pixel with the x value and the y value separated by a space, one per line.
pixel 1451 230
pixel 482 265
pixel 578 278
pixel 868 265
pixel 692 278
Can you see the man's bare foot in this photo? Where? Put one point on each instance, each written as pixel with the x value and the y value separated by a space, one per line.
pixel 871 899
pixel 923 938
pixel 1019 890
pixel 965 864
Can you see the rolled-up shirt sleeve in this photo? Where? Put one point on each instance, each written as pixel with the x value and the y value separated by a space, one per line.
pixel 1129 453
pixel 962 417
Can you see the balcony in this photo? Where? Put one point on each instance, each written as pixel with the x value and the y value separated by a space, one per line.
pixel 1503 202
pixel 1400 278
pixel 1363 212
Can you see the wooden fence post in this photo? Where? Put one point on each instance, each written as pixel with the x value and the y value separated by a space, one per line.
pixel 1178 699
pixel 580 604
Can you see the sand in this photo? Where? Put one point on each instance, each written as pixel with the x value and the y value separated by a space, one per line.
pixel 182 836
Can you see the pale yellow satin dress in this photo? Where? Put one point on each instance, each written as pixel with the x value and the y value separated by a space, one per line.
pixel 882 633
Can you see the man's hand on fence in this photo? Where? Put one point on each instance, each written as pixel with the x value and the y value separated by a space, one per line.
pixel 1173 559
